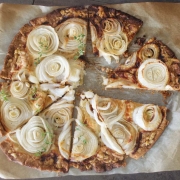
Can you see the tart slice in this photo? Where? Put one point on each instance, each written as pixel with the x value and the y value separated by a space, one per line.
pixel 47 50
pixel 19 101
pixel 153 67
pixel 126 127
pixel 88 150
pixel 111 31
pixel 44 141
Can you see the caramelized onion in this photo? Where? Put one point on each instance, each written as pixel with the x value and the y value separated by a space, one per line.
pixel 111 26
pixel 153 74
pixel 148 117
pixel 149 51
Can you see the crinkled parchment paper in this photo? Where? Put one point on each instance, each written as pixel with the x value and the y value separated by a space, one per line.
pixel 161 20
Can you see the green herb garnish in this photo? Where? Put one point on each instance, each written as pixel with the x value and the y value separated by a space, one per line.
pixel 43 48
pixel 33 93
pixel 84 141
pixel 39 153
pixel 4 95
pixel 81 46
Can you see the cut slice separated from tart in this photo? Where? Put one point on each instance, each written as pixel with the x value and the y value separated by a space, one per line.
pixel 88 150
pixel 153 67
pixel 19 101
pixel 44 141
pixel 126 127
pixel 49 49
pixel 111 31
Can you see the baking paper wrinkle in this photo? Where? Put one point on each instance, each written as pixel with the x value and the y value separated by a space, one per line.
pixel 160 20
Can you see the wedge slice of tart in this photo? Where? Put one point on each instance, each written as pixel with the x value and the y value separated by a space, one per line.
pixel 153 67
pixel 19 101
pixel 88 150
pixel 47 50
pixel 44 141
pixel 111 31
pixel 126 127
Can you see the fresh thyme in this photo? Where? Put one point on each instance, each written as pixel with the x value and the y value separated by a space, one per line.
pixel 33 93
pixel 39 153
pixel 43 48
pixel 81 46
pixel 84 141
pixel 4 95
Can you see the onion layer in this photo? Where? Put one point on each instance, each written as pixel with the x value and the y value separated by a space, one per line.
pixel 68 30
pixel 112 46
pixel 53 68
pixel 111 26
pixel 64 140
pixel 149 51
pixel 42 41
pixel 19 89
pixel 107 111
pixel 148 117
pixel 153 74
pixel 59 113
pixel 35 136
pixel 85 142
pixel 14 112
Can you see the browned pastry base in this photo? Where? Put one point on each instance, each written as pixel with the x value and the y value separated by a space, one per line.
pixel 105 160
pixel 51 161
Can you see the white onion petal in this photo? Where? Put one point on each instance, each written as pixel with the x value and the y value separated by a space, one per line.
pixel 110 141
pixel 19 89
pixel 153 73
pixel 111 26
pixel 64 140
pixel 148 117
pixel 59 113
pixel 68 30
pixel 14 112
pixel 42 41
pixel 126 135
pixel 112 46
pixel 36 135
pixel 85 143
pixel 106 111
pixel 53 69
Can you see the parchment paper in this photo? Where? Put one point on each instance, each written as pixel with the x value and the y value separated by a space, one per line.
pixel 161 20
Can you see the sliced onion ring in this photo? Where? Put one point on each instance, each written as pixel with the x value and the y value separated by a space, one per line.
pixel 153 74
pixel 148 117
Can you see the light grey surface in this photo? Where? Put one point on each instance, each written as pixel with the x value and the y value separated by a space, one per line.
pixel 171 175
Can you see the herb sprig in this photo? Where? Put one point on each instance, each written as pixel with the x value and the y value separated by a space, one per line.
pixel 81 46
pixel 4 95
pixel 47 142
pixel 43 48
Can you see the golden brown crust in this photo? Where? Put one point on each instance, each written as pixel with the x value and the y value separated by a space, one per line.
pixel 105 160
pixel 51 161
pixel 130 24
